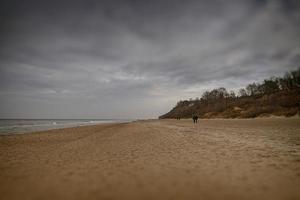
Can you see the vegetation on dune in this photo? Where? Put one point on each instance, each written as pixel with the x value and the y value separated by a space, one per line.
pixel 278 96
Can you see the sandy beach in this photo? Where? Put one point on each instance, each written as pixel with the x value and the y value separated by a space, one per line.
pixel 155 159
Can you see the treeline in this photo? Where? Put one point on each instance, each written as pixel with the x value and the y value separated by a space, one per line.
pixel 276 95
pixel 289 82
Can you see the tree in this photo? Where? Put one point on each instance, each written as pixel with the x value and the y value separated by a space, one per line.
pixel 290 80
pixel 242 92
pixel 270 86
pixel 295 75
pixel 232 94
pixel 222 93
pixel 252 89
pixel 205 96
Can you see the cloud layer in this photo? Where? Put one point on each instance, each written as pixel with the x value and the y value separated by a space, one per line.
pixel 135 59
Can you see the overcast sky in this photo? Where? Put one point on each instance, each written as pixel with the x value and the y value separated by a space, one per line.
pixel 136 59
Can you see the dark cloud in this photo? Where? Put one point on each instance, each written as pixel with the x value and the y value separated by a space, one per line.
pixel 129 59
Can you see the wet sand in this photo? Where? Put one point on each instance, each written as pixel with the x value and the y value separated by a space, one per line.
pixel 155 159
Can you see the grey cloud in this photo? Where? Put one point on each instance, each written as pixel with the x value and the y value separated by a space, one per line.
pixel 103 56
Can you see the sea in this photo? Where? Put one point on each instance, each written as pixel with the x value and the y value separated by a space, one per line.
pixel 21 126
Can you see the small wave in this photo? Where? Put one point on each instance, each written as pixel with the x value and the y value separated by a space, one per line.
pixel 98 121
pixel 20 126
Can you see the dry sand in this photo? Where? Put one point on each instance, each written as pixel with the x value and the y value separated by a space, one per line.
pixel 158 159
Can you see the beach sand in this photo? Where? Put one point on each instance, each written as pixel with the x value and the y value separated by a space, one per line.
pixel 155 159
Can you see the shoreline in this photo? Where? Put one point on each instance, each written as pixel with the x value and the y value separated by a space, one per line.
pixel 128 121
pixel 63 129
pixel 145 120
pixel 26 126
pixel 155 159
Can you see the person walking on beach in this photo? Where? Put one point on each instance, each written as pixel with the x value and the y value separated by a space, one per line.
pixel 195 119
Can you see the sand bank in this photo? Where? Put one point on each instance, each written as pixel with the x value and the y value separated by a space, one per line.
pixel 158 159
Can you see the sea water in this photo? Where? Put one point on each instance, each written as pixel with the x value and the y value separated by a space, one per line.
pixel 20 126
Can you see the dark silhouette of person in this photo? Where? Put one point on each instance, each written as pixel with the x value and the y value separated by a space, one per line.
pixel 195 119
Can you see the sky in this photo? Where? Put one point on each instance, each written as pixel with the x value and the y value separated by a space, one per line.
pixel 135 59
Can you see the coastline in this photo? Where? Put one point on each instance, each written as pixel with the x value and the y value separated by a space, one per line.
pixel 25 126
pixel 155 159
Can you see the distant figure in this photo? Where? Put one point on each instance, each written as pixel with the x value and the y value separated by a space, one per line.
pixel 195 119
pixel 178 118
